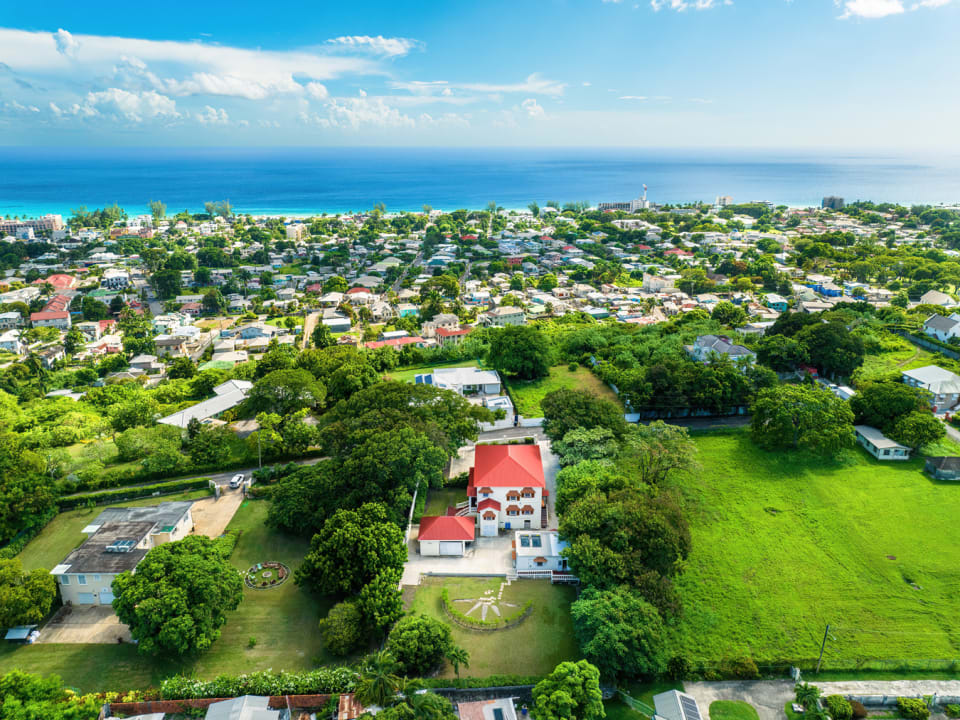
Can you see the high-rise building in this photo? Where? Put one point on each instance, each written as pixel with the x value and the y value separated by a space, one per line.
pixel 832 202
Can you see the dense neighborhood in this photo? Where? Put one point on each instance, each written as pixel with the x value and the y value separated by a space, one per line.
pixel 480 464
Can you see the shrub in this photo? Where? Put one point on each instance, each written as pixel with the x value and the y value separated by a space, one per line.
pixel 572 367
pixel 952 711
pixel 744 668
pixel 261 682
pixel 343 628
pixel 859 711
pixel 678 668
pixel 913 708
pixel 252 642
pixel 838 707
pixel 102 498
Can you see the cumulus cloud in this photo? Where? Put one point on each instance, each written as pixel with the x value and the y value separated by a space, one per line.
pixel 535 83
pixel 212 116
pixel 633 97
pixel 378 45
pixel 66 43
pixel 681 5
pixel 532 108
pixel 316 90
pixel 870 8
pixel 132 106
pixel 360 111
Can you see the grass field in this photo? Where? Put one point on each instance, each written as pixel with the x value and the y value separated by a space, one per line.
pixel 62 534
pixel 283 620
pixel 732 710
pixel 439 499
pixel 784 543
pixel 527 395
pixel 534 647
pixel 409 372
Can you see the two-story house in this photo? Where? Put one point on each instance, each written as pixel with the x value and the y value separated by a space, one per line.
pixel 503 316
pixel 506 488
pixel 943 385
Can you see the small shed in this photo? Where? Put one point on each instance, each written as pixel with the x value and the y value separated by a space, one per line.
pixel 879 445
pixel 445 535
pixel 20 633
pixel 943 468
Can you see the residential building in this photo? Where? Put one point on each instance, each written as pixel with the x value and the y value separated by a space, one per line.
pixel 51 318
pixel 656 283
pixel 832 202
pixel 707 347
pixel 943 385
pixel 942 327
pixel 115 279
pixel 227 396
pixel 879 445
pixel 777 302
pixel 497 709
pixel 10 342
pixel 536 552
pixel 935 297
pixel 9 320
pixel 247 707
pixel 117 540
pixel 503 316
pixel 506 488
pixel 676 705
pixel 465 380
pixel 447 321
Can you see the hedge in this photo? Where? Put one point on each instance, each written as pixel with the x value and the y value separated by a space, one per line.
pixel 264 682
pixel 500 622
pixel 123 494
pixel 18 543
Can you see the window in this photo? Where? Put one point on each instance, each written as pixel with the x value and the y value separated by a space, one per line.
pixel 536 541
pixel 511 512
pixel 524 541
pixel 539 562
pixel 96 578
pixel 81 579
pixel 64 579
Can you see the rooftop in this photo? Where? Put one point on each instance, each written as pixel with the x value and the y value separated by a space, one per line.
pixel 93 556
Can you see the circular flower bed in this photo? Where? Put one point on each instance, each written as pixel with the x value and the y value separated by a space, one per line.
pixel 266 575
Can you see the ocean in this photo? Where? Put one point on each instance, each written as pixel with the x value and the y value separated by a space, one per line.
pixel 302 181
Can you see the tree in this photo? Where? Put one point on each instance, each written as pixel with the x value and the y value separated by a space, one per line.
pixel 547 283
pixel 167 283
pixel 534 208
pixel 322 336
pixel 419 643
pixel 286 391
pixel 94 309
pixel 336 284
pixel 214 302
pixel 458 656
pixel 917 428
pixel 565 410
pixel 178 599
pixel 181 368
pixel 582 444
pixel 73 341
pixel 619 632
pixel 353 548
pixel 210 447
pixel 782 352
pixel 25 598
pixel 158 210
pixel 342 629
pixel 726 313
pixel 380 602
pixel 659 449
pixel 832 348
pixel 881 404
pixel 570 692
pixel 27 494
pixel 519 350
pixel 140 409
pixel 378 681
pixel 799 416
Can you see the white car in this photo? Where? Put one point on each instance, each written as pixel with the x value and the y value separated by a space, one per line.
pixel 236 481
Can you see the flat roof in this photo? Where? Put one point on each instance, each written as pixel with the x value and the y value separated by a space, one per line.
pixel 92 556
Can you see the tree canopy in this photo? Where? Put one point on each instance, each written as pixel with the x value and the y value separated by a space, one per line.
pixel 570 692
pixel 802 416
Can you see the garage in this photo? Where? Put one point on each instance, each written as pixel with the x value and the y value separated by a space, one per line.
pixel 106 597
pixel 85 599
pixel 445 535
pixel 451 547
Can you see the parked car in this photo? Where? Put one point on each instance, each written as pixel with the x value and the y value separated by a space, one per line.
pixel 236 481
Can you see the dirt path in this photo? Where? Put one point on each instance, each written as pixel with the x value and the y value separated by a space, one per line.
pixel 767 696
pixel 211 517
pixel 308 324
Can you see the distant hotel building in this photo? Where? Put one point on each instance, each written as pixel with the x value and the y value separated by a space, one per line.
pixel 10 226
pixel 724 200
pixel 832 202
pixel 632 206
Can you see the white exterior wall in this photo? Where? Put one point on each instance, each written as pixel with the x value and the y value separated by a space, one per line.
pixel 96 584
pixel 430 548
pixel 516 522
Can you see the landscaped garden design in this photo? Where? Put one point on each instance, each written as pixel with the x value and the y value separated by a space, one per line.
pixel 266 575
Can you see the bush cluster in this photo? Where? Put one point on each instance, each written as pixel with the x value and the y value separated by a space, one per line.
pixel 497 622
pixel 913 708
pixel 265 682
pixel 839 707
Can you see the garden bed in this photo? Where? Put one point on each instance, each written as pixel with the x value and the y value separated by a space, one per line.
pixel 264 576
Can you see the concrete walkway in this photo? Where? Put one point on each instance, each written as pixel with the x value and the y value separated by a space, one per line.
pixel 889 687
pixel 767 696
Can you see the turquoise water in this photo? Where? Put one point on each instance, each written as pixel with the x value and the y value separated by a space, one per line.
pixel 311 180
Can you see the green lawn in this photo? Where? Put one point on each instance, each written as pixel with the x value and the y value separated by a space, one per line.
pixel 283 620
pixel 732 710
pixel 784 543
pixel 439 499
pixel 62 534
pixel 280 321
pixel 527 395
pixel 409 372
pixel 618 710
pixel 534 647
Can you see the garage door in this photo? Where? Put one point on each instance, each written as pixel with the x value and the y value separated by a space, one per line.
pixel 106 597
pixel 451 548
pixel 84 598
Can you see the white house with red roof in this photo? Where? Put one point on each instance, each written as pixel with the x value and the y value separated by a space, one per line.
pixel 445 535
pixel 506 488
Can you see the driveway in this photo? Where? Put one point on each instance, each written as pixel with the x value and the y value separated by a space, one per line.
pixel 551 466
pixel 211 517
pixel 897 688
pixel 94 624
pixel 767 696
pixel 485 556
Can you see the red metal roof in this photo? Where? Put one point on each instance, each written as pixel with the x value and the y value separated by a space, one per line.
pixel 445 527
pixel 488 503
pixel 507 466
pixel 443 332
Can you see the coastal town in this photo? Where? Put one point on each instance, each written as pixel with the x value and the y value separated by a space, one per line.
pixel 567 461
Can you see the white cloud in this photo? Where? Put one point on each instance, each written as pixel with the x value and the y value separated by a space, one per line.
pixel 532 108
pixel 66 44
pixel 870 8
pixel 357 112
pixel 316 90
pixel 534 84
pixel 681 5
pixel 633 97
pixel 212 116
pixel 379 45
pixel 132 106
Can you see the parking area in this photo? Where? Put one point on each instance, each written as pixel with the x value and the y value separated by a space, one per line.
pixel 85 624
pixel 211 517
pixel 484 556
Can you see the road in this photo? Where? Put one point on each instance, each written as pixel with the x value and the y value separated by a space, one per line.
pixel 309 322
pixel 415 263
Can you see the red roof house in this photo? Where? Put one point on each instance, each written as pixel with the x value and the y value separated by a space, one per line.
pixel 507 488
pixel 445 534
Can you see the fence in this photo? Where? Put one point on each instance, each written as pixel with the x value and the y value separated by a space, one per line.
pixel 635 704
pixel 928 344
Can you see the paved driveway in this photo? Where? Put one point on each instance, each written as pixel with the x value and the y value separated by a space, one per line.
pixel 487 556
pixel 767 696
pixel 211 517
pixel 94 624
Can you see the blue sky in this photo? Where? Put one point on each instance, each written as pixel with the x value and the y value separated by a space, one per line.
pixel 855 74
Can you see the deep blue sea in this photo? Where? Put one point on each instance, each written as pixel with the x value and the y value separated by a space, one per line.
pixel 310 180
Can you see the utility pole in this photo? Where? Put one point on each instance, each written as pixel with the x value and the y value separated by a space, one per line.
pixel 823 645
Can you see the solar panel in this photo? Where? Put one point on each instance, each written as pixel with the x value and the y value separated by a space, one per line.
pixel 689 707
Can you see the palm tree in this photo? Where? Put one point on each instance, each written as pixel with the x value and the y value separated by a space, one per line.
pixel 458 656
pixel 807 695
pixel 378 681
